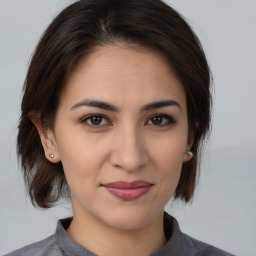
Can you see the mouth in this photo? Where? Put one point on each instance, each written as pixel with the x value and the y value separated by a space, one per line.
pixel 128 190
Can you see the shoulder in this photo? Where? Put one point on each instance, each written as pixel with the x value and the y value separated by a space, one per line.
pixel 201 248
pixel 46 246
pixel 181 244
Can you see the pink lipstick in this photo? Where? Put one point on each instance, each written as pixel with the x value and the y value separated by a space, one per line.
pixel 128 190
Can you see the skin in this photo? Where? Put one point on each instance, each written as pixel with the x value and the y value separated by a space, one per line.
pixel 128 145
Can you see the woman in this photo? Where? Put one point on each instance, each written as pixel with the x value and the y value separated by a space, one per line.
pixel 116 106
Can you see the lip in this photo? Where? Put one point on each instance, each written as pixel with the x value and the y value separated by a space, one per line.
pixel 128 190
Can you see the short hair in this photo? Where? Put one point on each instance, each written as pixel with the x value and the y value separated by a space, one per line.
pixel 73 34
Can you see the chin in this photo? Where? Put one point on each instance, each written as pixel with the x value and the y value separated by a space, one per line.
pixel 128 219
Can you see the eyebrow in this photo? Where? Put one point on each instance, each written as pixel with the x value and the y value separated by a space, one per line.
pixel 110 107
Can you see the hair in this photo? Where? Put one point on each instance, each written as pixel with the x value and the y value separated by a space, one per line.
pixel 73 34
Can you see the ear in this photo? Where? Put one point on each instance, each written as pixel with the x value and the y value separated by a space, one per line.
pixel 191 136
pixel 189 154
pixel 47 138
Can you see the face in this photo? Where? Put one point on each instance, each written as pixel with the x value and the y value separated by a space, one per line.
pixel 121 133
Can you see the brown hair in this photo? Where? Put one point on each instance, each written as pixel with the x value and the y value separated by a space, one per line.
pixel 74 33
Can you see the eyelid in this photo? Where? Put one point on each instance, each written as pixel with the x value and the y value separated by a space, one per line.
pixel 171 119
pixel 87 117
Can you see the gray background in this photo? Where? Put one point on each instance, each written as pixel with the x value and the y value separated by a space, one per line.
pixel 224 208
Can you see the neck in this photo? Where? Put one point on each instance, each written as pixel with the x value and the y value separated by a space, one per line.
pixel 108 241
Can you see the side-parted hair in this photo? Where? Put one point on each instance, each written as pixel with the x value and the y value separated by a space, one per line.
pixel 73 34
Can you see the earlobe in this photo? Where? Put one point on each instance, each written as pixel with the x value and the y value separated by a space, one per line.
pixel 189 154
pixel 47 139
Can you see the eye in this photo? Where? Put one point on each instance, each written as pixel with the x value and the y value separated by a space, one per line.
pixel 99 120
pixel 95 121
pixel 162 120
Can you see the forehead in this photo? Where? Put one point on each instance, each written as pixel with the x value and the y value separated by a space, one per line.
pixel 123 73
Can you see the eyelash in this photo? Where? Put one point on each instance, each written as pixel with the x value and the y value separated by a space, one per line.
pixel 170 120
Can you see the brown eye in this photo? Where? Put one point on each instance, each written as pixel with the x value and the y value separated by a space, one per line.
pixel 95 121
pixel 157 119
pixel 162 120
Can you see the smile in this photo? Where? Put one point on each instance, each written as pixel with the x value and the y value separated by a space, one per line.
pixel 128 190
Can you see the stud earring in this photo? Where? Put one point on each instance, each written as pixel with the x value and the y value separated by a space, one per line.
pixel 51 155
pixel 190 153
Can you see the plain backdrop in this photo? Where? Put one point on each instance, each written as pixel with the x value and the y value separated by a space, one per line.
pixel 224 207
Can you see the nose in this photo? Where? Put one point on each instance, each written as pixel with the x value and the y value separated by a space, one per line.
pixel 129 150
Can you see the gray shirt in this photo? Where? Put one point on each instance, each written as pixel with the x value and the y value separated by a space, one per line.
pixel 61 244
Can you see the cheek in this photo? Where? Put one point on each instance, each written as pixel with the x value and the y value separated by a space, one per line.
pixel 168 155
pixel 169 166
pixel 169 149
pixel 81 157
